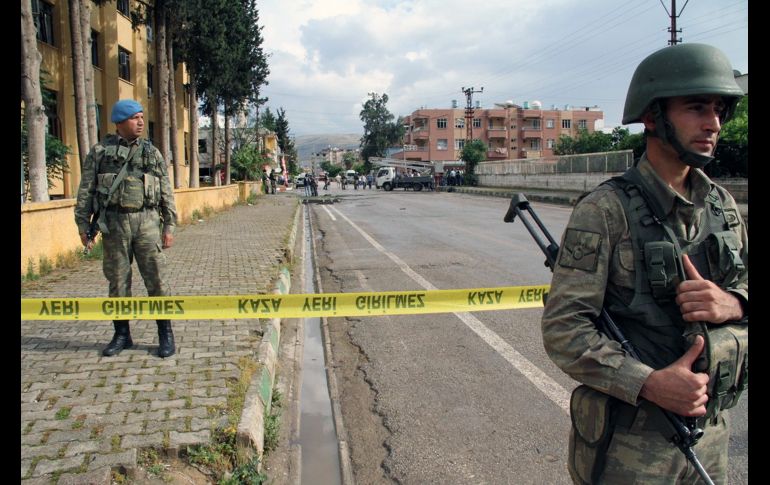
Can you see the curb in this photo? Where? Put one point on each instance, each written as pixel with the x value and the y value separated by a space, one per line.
pixel 250 434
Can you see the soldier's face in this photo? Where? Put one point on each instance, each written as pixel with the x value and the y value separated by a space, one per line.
pixel 696 121
pixel 131 128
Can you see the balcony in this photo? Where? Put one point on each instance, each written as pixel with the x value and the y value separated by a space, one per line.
pixel 497 132
pixel 497 153
pixel 531 132
pixel 531 113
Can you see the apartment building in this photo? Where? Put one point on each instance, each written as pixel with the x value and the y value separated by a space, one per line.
pixel 124 66
pixel 510 131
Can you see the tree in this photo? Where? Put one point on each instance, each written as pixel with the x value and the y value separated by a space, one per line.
pixel 380 131
pixel 79 67
pixel 330 168
pixel 349 159
pixel 33 106
pixel 285 143
pixel 473 153
pixel 248 163
pixel 732 153
pixel 268 120
pixel 584 142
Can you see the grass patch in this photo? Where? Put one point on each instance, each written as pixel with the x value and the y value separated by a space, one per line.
pixel 149 459
pixel 63 413
pixel 220 455
pixel 196 215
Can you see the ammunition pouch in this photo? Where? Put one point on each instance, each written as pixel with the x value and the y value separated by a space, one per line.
pixel 593 416
pixel 136 191
pixel 663 269
pixel 726 360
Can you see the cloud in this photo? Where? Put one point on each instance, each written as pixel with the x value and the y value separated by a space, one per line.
pixel 325 56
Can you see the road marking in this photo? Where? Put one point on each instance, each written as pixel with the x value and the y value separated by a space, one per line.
pixel 329 212
pixel 552 389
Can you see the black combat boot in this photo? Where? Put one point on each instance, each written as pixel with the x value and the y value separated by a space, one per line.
pixel 121 340
pixel 166 347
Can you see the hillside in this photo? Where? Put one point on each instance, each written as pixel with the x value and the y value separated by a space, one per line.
pixel 309 144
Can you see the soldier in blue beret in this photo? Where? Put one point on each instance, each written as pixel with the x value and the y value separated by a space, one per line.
pixel 125 194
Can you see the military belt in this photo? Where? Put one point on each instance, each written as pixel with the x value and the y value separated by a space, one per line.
pixel 123 210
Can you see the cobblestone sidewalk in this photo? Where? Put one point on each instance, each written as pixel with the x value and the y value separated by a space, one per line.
pixel 83 414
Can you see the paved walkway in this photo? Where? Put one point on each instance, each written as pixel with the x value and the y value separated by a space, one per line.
pixel 83 414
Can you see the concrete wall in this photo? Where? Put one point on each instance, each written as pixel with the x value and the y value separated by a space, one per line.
pixel 572 182
pixel 48 228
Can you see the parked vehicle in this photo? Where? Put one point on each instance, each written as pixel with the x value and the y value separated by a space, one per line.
pixel 299 180
pixel 388 179
pixel 351 176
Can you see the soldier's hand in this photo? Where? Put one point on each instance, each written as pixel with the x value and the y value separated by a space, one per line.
pixel 701 300
pixel 676 387
pixel 168 240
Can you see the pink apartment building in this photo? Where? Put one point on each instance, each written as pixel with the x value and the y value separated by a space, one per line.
pixel 509 130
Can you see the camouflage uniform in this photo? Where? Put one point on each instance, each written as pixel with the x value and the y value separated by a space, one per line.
pixel 135 233
pixel 597 258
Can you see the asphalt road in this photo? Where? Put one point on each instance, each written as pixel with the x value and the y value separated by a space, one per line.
pixel 449 398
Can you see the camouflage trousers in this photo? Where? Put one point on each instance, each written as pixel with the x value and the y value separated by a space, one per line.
pixel 134 235
pixel 640 454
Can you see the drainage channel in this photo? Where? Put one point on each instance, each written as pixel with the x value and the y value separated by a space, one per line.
pixel 317 436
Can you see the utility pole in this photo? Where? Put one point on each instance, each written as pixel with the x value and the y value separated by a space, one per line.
pixel 469 112
pixel 673 30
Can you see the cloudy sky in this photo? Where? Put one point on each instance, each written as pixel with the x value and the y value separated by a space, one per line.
pixel 327 55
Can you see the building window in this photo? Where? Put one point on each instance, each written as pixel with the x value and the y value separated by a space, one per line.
pixel 201 145
pixel 534 144
pixel 459 144
pixel 42 12
pixel 550 143
pixel 549 123
pixel 441 144
pixel 98 121
pixel 51 106
pixel 150 80
pixel 186 151
pixel 535 124
pixel 441 123
pixel 477 122
pixel 124 64
pixel 151 131
pixel 566 124
pixel 186 97
pixel 582 124
pixel 123 7
pixel 148 26
pixel 459 122
pixel 95 48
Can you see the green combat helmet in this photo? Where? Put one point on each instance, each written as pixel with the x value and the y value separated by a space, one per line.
pixel 680 70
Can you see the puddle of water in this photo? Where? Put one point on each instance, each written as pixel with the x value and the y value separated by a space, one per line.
pixel 318 439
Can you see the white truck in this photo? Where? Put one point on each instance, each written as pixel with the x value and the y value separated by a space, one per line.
pixel 389 177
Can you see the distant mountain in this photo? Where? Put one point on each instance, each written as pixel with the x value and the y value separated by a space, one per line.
pixel 307 145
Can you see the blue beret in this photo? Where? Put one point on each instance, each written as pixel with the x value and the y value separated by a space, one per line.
pixel 125 109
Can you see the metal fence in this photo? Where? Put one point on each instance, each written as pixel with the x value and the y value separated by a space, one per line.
pixel 604 162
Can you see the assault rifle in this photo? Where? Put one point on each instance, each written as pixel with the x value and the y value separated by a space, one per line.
pixel 92 232
pixel 685 436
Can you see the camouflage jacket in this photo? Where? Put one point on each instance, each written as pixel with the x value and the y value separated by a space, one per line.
pixel 88 181
pixel 596 256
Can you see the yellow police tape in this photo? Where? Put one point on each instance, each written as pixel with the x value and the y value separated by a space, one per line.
pixel 284 306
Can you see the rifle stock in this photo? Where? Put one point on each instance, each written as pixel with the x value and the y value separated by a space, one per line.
pixel 685 436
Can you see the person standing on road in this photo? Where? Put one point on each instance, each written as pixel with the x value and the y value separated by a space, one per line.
pixel 125 185
pixel 664 251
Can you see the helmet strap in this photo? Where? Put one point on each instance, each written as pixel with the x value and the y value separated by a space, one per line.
pixel 665 131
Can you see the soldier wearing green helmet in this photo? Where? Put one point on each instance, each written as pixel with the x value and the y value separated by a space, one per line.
pixel 664 250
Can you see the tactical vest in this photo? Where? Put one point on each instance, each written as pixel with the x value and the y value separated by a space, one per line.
pixel 127 184
pixel 652 320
